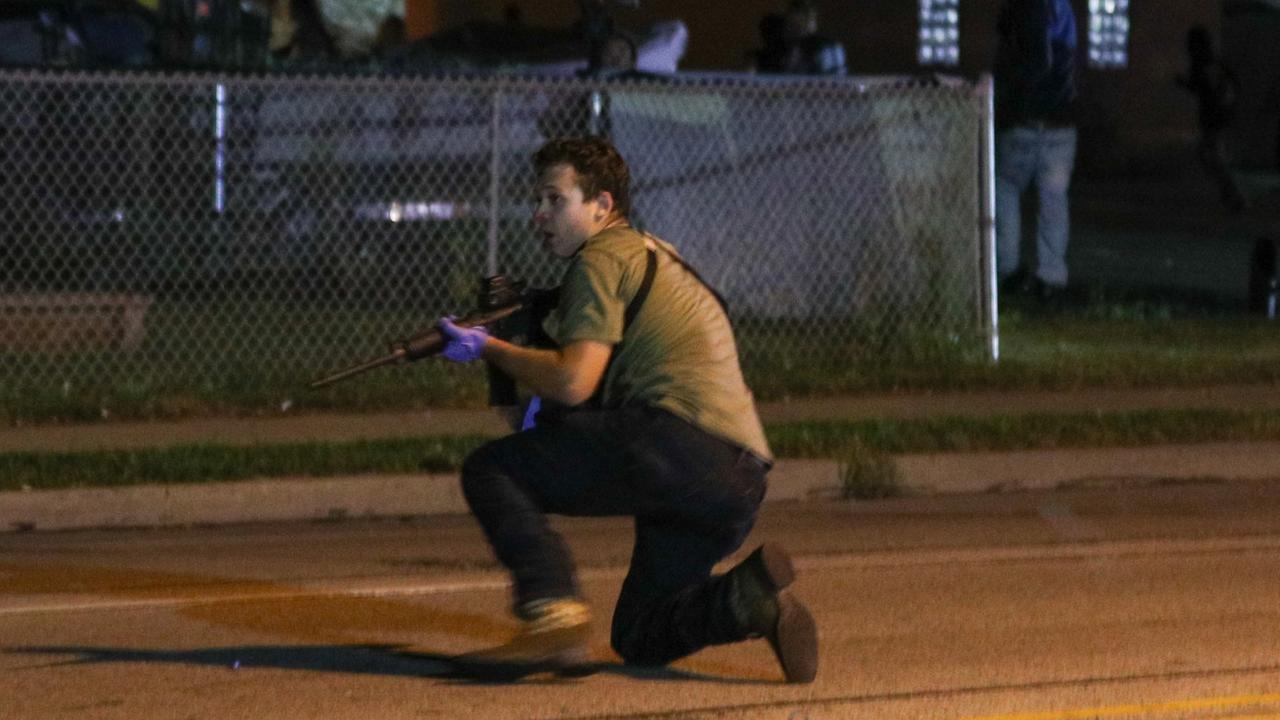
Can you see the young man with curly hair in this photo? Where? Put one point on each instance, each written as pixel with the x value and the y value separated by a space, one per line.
pixel 655 422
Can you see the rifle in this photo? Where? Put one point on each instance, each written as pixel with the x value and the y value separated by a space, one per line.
pixel 499 298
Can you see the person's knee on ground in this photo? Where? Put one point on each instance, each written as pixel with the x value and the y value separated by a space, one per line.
pixel 754 595
pixel 639 638
pixel 648 632
pixel 626 642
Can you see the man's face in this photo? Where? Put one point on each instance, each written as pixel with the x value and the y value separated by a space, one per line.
pixel 563 218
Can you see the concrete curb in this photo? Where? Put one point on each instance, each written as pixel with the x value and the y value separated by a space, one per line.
pixel 284 499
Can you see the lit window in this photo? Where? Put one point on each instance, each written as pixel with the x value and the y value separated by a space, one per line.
pixel 1108 33
pixel 939 32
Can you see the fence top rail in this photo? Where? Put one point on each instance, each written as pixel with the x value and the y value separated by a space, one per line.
pixel 689 81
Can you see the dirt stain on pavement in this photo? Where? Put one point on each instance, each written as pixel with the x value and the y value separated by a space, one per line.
pixel 301 614
pixel 272 608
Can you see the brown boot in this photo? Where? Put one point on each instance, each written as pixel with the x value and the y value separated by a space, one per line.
pixel 554 637
pixel 763 609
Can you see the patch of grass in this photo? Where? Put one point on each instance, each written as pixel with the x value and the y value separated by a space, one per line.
pixel 261 355
pixel 868 474
pixel 828 438
pixel 862 446
pixel 1041 352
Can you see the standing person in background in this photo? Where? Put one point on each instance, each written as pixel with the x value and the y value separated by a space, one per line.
pixel 595 25
pixel 792 45
pixel 1216 90
pixel 655 422
pixel 1036 74
pixel 771 56
pixel 591 112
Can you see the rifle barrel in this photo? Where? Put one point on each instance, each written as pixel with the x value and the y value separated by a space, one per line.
pixel 420 346
pixel 357 369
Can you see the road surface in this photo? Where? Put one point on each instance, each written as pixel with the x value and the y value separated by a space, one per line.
pixel 1151 602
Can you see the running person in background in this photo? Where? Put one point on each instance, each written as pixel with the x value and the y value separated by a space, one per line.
pixel 658 424
pixel 1216 90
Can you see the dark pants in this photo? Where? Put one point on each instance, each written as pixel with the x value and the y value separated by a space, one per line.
pixel 694 498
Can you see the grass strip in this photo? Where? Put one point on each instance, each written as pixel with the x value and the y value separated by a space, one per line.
pixel 818 439
pixel 809 439
pixel 1102 344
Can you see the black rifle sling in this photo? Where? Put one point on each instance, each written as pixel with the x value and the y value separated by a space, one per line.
pixel 552 411
pixel 633 308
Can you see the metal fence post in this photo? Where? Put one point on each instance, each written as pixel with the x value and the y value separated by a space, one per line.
pixel 495 172
pixel 219 148
pixel 987 224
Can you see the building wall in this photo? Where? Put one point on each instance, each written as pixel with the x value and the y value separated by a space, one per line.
pixel 1135 120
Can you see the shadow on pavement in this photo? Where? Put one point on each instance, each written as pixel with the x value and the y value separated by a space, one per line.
pixel 386 660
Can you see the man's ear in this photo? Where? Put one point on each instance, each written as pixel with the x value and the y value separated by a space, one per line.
pixel 604 205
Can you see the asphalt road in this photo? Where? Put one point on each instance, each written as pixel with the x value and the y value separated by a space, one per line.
pixel 1140 602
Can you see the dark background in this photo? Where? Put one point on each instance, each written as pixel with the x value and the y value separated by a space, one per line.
pixel 1135 120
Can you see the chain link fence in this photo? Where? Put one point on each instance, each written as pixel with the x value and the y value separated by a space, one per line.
pixel 194 236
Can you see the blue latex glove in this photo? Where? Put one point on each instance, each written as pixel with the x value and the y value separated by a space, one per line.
pixel 465 343
pixel 531 412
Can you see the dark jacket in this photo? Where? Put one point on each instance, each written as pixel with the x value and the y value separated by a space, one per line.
pixel 1037 68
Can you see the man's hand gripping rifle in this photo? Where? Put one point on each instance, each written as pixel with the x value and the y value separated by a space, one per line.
pixel 499 298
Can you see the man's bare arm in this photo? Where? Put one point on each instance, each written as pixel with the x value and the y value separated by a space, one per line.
pixel 568 375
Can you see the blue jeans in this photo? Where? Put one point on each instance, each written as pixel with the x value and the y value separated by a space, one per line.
pixel 1046 155
pixel 694 498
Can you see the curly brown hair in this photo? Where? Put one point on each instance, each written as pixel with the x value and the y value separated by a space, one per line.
pixel 599 166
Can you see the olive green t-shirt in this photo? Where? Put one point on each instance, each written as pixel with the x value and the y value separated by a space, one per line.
pixel 679 353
